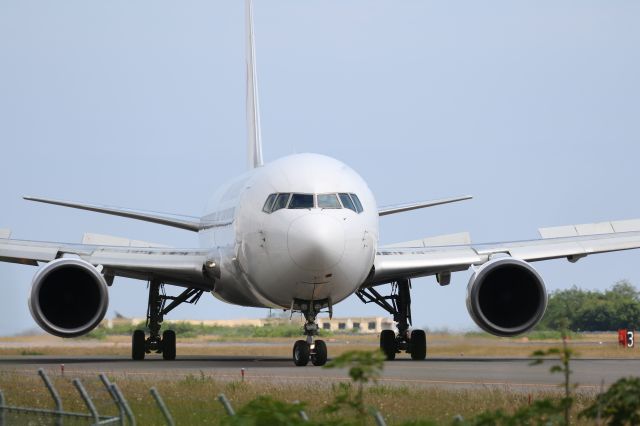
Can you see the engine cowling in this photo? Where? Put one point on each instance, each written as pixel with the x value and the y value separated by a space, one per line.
pixel 69 297
pixel 506 297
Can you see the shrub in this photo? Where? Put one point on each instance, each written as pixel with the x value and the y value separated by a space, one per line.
pixel 620 405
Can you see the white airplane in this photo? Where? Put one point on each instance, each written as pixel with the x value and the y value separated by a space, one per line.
pixel 300 234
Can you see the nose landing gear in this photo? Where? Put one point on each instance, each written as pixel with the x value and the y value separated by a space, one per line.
pixel 305 350
pixel 399 305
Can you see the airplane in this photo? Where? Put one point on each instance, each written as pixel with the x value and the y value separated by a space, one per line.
pixel 299 234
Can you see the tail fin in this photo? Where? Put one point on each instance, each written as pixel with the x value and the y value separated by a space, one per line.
pixel 253 106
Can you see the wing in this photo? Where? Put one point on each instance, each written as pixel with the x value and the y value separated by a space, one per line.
pixel 184 267
pixel 177 221
pixel 387 210
pixel 570 242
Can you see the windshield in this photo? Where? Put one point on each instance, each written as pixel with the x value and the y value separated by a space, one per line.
pixel 278 201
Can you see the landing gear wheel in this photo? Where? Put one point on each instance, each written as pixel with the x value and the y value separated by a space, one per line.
pixel 319 357
pixel 418 345
pixel 388 344
pixel 301 353
pixel 138 345
pixel 169 345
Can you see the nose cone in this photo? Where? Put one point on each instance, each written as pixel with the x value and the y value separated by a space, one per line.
pixel 316 242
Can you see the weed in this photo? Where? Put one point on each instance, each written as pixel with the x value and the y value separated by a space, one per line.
pixel 28 352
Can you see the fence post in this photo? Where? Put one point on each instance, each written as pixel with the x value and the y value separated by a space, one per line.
pixel 54 395
pixel 87 400
pixel 226 404
pixel 303 415
pixel 1 408
pixel 107 384
pixel 379 419
pixel 163 407
pixel 124 404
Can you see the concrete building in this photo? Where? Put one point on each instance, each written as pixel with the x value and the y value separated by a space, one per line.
pixel 356 324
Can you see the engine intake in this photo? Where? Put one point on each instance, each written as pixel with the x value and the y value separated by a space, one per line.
pixel 69 297
pixel 506 297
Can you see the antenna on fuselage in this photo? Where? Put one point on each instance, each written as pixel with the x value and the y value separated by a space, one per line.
pixel 253 107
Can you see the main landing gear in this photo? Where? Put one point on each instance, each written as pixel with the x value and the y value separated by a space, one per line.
pixel 308 349
pixel 399 305
pixel 156 310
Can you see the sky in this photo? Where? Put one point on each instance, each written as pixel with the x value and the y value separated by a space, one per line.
pixel 532 107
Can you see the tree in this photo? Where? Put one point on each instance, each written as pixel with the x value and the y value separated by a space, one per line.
pixel 618 406
pixel 618 307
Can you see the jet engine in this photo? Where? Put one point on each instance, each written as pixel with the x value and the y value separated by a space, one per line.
pixel 69 297
pixel 506 297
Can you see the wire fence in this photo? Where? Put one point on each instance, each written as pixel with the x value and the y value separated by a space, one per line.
pixel 102 399
pixel 104 404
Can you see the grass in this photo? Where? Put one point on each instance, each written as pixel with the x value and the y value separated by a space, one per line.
pixel 398 404
pixel 588 345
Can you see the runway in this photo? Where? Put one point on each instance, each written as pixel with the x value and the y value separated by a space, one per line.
pixel 516 373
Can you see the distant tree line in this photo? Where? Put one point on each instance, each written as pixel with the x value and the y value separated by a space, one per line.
pixel 613 309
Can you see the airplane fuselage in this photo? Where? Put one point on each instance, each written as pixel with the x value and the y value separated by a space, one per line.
pixel 313 248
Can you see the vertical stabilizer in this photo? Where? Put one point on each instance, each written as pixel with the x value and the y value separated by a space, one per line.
pixel 253 107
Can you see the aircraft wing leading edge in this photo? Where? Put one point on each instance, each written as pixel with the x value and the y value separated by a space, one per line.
pixel 393 262
pixel 182 267
pixel 177 221
pixel 387 210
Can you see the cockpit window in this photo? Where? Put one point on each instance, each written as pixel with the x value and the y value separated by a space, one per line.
pixel 347 202
pixel 301 201
pixel 281 202
pixel 356 201
pixel 268 205
pixel 328 201
pixel 285 200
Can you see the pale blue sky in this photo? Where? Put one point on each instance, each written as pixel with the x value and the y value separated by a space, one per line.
pixel 531 106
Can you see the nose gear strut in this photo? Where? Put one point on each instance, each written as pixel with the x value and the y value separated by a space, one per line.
pixel 305 350
pixel 398 304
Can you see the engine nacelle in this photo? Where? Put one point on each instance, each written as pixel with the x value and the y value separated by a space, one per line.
pixel 69 297
pixel 506 297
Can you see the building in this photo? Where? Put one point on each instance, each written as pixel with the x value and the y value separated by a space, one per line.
pixel 356 324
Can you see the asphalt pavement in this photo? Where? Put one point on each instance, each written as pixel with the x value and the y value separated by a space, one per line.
pixel 517 374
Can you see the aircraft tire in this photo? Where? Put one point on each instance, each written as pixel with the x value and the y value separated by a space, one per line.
pixel 137 345
pixel 169 345
pixel 301 353
pixel 388 344
pixel 418 345
pixel 320 356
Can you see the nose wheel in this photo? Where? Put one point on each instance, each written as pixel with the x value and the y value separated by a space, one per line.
pixel 315 352
pixel 301 353
pixel 319 353
pixel 310 349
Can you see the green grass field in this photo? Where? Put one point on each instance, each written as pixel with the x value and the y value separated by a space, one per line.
pixel 192 400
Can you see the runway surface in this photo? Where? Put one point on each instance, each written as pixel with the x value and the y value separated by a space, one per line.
pixel 589 374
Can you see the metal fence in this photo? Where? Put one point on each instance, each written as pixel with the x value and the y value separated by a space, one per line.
pixel 58 416
pixel 105 404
